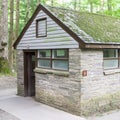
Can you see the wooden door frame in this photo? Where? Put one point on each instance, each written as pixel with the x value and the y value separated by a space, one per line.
pixel 25 69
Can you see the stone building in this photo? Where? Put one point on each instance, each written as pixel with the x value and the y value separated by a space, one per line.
pixel 70 60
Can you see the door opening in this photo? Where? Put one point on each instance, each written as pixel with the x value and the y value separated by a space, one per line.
pixel 29 75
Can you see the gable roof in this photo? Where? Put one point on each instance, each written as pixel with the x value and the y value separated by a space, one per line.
pixel 88 29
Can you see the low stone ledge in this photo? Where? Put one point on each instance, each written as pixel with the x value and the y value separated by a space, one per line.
pixel 113 71
pixel 55 72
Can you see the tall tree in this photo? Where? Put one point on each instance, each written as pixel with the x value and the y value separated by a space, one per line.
pixel 38 2
pixel 11 34
pixel 17 19
pixel 102 5
pixel 91 5
pixel 52 2
pixel 27 10
pixel 109 5
pixel 79 5
pixel 4 28
pixel 75 4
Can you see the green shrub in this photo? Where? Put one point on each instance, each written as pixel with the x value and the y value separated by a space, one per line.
pixel 4 66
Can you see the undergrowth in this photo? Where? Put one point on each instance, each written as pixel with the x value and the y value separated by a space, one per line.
pixel 4 67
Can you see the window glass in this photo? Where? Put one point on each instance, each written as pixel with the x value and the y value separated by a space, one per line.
pixel 54 59
pixel 107 53
pixel 44 53
pixel 60 54
pixel 44 63
pixel 33 57
pixel 111 58
pixel 110 64
pixel 60 64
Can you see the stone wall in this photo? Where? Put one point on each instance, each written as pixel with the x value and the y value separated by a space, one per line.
pixel 97 92
pixel 20 73
pixel 61 89
pixel 100 89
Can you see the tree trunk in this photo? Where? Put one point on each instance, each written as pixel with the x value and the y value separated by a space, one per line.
pixel 79 4
pixel 17 19
pixel 109 5
pixel 11 35
pixel 4 29
pixel 91 6
pixel 52 3
pixel 27 11
pixel 75 4
pixel 38 2
pixel 101 5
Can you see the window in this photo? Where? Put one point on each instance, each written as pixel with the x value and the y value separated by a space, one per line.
pixel 41 27
pixel 54 59
pixel 111 58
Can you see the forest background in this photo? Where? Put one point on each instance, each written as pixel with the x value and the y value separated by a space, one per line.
pixel 14 14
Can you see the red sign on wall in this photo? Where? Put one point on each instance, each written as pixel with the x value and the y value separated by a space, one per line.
pixel 84 73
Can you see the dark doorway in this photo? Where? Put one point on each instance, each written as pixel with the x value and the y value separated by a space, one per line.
pixel 29 75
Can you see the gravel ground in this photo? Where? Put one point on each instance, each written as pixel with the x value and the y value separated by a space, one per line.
pixel 6 116
pixel 7 82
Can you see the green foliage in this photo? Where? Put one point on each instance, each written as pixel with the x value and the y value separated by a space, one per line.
pixel 4 66
pixel 115 13
pixel 82 5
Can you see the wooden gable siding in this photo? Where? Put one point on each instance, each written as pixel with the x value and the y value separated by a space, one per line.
pixel 56 36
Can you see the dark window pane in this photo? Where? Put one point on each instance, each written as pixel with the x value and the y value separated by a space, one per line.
pixel 60 53
pixel 60 64
pixel 33 57
pixel 107 53
pixel 44 53
pixel 44 63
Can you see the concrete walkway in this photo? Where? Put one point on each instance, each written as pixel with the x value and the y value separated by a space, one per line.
pixel 28 109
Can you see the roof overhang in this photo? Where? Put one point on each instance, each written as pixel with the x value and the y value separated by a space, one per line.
pixel 101 46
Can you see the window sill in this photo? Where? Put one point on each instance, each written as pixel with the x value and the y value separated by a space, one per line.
pixel 55 72
pixel 113 71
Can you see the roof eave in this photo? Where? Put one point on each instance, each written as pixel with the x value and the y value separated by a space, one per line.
pixel 101 46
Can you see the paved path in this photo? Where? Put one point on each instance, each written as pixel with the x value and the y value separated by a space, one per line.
pixel 6 116
pixel 28 109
